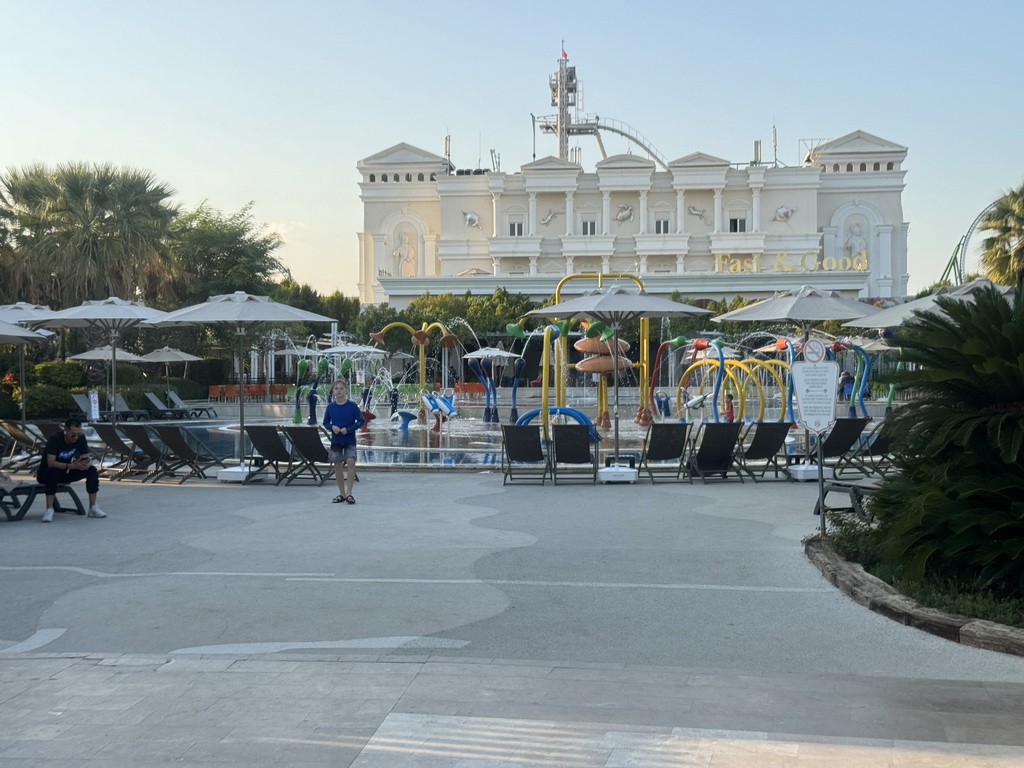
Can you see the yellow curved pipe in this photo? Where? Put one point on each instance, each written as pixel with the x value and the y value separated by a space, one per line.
pixel 743 391
pixel 422 351
pixel 711 363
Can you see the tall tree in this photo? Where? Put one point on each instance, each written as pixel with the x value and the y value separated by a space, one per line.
pixel 79 231
pixel 221 253
pixel 1003 257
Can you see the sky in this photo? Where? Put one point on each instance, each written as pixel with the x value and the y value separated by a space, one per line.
pixel 232 101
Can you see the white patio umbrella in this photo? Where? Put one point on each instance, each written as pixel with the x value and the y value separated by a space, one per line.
pixel 901 313
pixel 28 316
pixel 614 307
pixel 803 306
pixel 490 352
pixel 168 355
pixel 111 315
pixel 10 333
pixel 107 352
pixel 351 350
pixel 242 311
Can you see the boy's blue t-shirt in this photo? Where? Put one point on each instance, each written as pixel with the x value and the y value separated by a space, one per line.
pixel 346 415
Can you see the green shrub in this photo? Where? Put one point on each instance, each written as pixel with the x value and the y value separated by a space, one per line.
pixel 58 374
pixel 48 401
pixel 128 374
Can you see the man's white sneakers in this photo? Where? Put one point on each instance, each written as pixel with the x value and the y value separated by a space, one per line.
pixel 95 511
pixel 48 515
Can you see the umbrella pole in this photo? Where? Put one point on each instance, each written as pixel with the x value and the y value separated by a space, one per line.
pixel 615 382
pixel 240 330
pixel 113 375
pixel 21 381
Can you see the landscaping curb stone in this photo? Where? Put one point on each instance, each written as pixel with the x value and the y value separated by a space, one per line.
pixel 874 594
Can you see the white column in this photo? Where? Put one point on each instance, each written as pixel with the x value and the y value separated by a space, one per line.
pixel 718 210
pixel 569 269
pixel 570 215
pixel 495 265
pixel 643 264
pixel 882 269
pixel 430 265
pixel 532 224
pixel 643 212
pixel 680 211
pixel 606 211
pixel 606 263
pixel 533 265
pixel 496 209
pixel 756 212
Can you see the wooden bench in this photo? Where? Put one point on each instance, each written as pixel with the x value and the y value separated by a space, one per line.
pixel 15 502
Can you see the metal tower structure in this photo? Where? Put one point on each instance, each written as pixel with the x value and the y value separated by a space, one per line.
pixel 566 92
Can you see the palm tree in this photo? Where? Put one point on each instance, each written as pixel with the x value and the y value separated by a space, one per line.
pixel 1003 257
pixel 81 231
pixel 955 511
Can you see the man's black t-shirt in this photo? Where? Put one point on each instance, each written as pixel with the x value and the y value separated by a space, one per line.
pixel 65 452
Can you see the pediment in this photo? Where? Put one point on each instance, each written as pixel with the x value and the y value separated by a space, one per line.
pixel 627 162
pixel 698 160
pixel 551 163
pixel 402 154
pixel 858 142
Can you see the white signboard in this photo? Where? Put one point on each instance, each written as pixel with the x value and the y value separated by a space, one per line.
pixel 94 405
pixel 815 384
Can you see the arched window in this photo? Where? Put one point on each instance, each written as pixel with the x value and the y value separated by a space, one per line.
pixel 383 177
pixel 835 168
pixel 433 177
pixel 878 167
pixel 824 168
pixel 373 178
pixel 408 177
pixel 396 177
pixel 863 166
pixel 888 166
pixel 849 167
pixel 419 177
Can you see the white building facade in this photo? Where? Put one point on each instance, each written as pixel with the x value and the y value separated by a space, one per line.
pixel 706 227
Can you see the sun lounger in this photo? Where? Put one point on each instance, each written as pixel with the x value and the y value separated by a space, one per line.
pixel 665 445
pixel 194 411
pixel 715 453
pixel 180 452
pixel 161 411
pixel 765 447
pixel 312 455
pixel 267 443
pixel 153 454
pixel 572 446
pixel 122 411
pixel 522 455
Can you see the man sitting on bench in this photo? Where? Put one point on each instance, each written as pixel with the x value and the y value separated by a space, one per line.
pixel 67 459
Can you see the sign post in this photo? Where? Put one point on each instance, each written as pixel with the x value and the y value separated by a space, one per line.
pixel 815 381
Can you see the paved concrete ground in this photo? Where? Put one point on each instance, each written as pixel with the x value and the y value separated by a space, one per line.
pixel 447 621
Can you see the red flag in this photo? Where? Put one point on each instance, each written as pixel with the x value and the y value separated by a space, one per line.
pixel 564 54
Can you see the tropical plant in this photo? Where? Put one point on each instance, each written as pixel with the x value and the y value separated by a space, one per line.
pixel 78 231
pixel 955 511
pixel 1003 255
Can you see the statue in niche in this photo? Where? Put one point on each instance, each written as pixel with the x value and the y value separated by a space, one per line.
pixel 405 257
pixel 701 214
pixel 549 217
pixel 784 214
pixel 855 242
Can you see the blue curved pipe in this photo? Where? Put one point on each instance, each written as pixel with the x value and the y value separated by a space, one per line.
pixel 517 371
pixel 718 379
pixel 487 366
pixel 789 388
pixel 864 379
pixel 474 366
pixel 572 413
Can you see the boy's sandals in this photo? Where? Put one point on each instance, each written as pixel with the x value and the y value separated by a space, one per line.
pixel 337 499
pixel 350 500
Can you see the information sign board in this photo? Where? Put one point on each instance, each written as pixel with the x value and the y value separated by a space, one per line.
pixel 815 382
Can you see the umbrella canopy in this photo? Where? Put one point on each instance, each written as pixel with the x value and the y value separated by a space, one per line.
pixel 20 316
pixel 615 306
pixel 354 349
pixel 11 333
pixel 803 306
pixel 490 352
pixel 169 355
pixel 112 315
pixel 241 310
pixel 894 316
pixel 107 352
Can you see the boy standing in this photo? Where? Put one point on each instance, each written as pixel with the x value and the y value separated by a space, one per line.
pixel 342 418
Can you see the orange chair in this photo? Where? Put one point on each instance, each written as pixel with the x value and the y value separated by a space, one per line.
pixel 231 391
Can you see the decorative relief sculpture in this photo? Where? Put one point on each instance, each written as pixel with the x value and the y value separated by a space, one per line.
pixel 856 245
pixel 405 257
pixel 472 219
pixel 549 217
pixel 783 214
pixel 625 214
pixel 700 213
